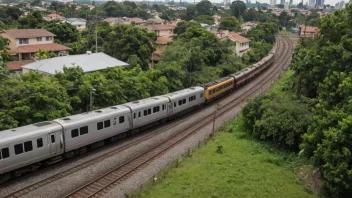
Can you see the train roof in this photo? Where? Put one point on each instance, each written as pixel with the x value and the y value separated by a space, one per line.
pixel 184 92
pixel 147 102
pixel 93 115
pixel 215 82
pixel 28 131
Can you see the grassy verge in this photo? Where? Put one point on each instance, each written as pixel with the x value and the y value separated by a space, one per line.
pixel 285 32
pixel 245 167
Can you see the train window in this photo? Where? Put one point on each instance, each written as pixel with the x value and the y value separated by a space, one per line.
pixel 184 101
pixel 74 133
pixel 201 95
pixel 155 109
pixel 52 138
pixel 149 111
pixel 107 123
pixel 28 146
pixel 139 114
pixel 84 130
pixel 174 104
pixel 163 107
pixel 121 119
pixel 180 102
pixel 39 143
pixel 100 125
pixel 5 153
pixel 18 149
pixel 145 112
pixel 0 156
pixel 134 115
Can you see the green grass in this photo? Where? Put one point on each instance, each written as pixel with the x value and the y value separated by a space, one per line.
pixel 282 84
pixel 246 168
pixel 284 32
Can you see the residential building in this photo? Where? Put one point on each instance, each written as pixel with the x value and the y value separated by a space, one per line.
pixel 162 42
pixel 89 62
pixel 164 30
pixel 24 43
pixel 15 67
pixel 308 31
pixel 247 26
pixel 53 16
pixel 79 23
pixel 242 43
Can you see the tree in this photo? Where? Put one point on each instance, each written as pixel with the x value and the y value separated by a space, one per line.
pixel 3 69
pixel 65 32
pixel 238 8
pixel 189 14
pixel 183 25
pixel 126 40
pixel 204 8
pixel 206 19
pixel 32 20
pixel 43 54
pixel 229 23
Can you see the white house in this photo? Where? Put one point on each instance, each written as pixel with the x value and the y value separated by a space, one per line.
pixel 242 43
pixel 78 22
pixel 89 62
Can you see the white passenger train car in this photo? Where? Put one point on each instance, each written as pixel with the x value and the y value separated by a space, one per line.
pixel 29 144
pixel 88 128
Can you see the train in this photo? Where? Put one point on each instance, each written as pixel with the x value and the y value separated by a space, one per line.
pixel 27 148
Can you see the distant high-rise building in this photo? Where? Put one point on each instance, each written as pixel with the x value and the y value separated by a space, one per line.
pixel 311 3
pixel 282 2
pixel 273 2
pixel 291 2
pixel 342 4
pixel 320 2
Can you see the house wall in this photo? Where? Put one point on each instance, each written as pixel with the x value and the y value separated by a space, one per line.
pixel 164 33
pixel 12 45
pixel 241 48
pixel 33 41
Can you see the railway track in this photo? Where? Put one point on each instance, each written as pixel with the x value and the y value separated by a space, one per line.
pixel 103 184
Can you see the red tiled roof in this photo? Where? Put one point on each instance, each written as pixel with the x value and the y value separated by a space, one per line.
pixel 55 15
pixel 248 24
pixel 111 19
pixel 238 37
pixel 49 47
pixel 163 27
pixel 17 65
pixel 163 40
pixel 136 19
pixel 309 29
pixel 28 33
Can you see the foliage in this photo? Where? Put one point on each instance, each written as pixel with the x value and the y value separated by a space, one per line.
pixel 230 23
pixel 238 8
pixel 183 25
pixel 189 14
pixel 31 21
pixel 126 40
pixel 206 19
pixel 8 15
pixel 284 19
pixel 264 31
pixel 204 8
pixel 65 32
pixel 323 72
pixel 44 54
pixel 244 164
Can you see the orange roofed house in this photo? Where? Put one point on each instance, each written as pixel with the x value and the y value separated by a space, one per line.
pixel 308 31
pixel 24 43
pixel 242 43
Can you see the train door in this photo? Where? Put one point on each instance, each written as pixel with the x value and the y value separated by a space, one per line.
pixel 52 140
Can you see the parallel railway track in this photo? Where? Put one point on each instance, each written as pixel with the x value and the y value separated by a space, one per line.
pixel 104 183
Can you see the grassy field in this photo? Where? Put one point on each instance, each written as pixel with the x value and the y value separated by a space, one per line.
pixel 245 168
pixel 285 32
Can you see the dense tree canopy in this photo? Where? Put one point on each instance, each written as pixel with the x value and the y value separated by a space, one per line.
pixel 230 23
pixel 126 40
pixel 238 8
pixel 31 21
pixel 206 19
pixel 204 8
pixel 65 32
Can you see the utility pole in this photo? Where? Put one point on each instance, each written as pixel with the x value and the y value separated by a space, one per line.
pixel 92 90
pixel 96 33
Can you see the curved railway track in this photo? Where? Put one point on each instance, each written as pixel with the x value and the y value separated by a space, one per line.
pixel 106 182
pixel 102 185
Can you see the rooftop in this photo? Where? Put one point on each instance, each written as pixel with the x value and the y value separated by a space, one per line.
pixel 17 65
pixel 309 29
pixel 238 37
pixel 75 20
pixel 27 33
pixel 49 47
pixel 163 27
pixel 88 62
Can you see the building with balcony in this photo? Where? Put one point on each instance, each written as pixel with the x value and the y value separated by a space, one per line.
pixel 241 43
pixel 24 43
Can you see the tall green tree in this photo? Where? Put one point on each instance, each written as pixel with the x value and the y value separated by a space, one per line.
pixel 204 8
pixel 205 19
pixel 65 32
pixel 229 23
pixel 32 20
pixel 238 8
pixel 126 40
